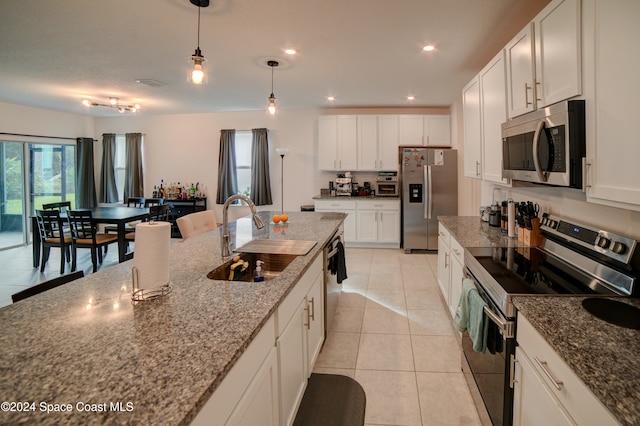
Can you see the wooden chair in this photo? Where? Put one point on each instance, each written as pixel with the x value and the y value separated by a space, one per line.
pixel 47 285
pixel 85 235
pixel 61 206
pixel 129 227
pixel 51 229
pixel 148 202
pixel 196 223
pixel 157 213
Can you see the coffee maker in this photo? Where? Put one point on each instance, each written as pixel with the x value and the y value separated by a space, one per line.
pixel 343 184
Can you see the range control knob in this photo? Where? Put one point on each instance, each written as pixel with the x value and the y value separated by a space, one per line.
pixel 618 247
pixel 603 242
pixel 545 221
pixel 553 223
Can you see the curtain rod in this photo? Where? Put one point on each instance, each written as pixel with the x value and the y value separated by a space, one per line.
pixel 39 136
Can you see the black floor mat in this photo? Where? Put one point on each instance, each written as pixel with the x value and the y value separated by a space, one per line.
pixel 331 400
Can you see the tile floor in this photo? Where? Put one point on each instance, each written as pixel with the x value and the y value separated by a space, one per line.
pixel 393 334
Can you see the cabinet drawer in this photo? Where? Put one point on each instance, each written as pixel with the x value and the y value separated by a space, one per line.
pixel 444 234
pixel 583 406
pixel 379 204
pixel 457 250
pixel 335 205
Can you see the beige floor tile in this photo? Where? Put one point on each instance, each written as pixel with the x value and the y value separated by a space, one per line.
pixel 414 259
pixel 385 267
pixel 385 352
pixel 423 280
pixel 439 354
pixel 445 400
pixel 349 372
pixel 391 397
pixel 430 322
pixel 424 299
pixel 389 281
pixel 359 282
pixel 348 320
pixel 352 298
pixel 357 266
pixel 383 298
pixel 340 350
pixel 385 321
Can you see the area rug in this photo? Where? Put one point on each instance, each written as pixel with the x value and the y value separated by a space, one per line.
pixel 331 400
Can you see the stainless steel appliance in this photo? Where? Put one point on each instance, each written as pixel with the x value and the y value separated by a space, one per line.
pixel 331 286
pixel 429 188
pixel 546 146
pixel 343 185
pixel 387 184
pixel 574 259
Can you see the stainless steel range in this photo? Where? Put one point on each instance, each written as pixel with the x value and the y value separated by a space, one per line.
pixel 573 259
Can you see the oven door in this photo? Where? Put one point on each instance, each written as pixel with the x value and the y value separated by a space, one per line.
pixel 488 374
pixel 387 188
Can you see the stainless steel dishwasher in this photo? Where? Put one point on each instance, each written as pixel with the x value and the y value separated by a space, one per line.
pixel 331 286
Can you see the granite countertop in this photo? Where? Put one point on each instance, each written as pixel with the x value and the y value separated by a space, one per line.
pixel 163 358
pixel 604 356
pixel 355 197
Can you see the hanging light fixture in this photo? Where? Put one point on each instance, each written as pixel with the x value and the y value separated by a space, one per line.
pixel 113 103
pixel 271 109
pixel 197 75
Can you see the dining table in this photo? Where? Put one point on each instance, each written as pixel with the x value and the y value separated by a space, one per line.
pixel 118 216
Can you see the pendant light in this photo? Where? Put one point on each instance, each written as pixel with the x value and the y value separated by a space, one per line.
pixel 197 75
pixel 271 109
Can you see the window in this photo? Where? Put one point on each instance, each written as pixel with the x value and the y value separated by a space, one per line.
pixel 243 161
pixel 120 165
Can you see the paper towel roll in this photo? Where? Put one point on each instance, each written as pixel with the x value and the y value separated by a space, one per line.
pixel 151 257
pixel 511 218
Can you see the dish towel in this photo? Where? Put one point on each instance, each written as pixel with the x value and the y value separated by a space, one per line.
pixel 341 263
pixel 470 316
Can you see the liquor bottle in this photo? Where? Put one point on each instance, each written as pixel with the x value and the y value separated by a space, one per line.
pixel 155 192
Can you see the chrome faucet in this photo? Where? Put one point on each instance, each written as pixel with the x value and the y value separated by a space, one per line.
pixel 225 242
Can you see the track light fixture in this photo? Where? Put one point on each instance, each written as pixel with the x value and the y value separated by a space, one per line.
pixel 271 109
pixel 113 103
pixel 197 75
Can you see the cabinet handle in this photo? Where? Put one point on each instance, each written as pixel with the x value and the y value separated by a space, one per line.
pixel 313 310
pixel 477 169
pixel 441 233
pixel 535 95
pixel 456 252
pixel 526 95
pixel 446 256
pixel 585 174
pixel 543 365
pixel 512 371
pixel 308 324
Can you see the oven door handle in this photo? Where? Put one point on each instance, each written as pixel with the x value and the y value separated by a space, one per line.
pixel 506 327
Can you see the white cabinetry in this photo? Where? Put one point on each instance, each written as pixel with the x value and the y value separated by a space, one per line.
pixel 378 222
pixel 546 391
pixel 378 142
pixel 341 206
pixel 544 60
pixel 337 139
pixel 472 129
pixel 450 268
pixel 427 130
pixel 612 92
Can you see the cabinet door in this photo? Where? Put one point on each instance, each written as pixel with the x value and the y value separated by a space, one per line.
pixel 327 142
pixel 315 310
pixel 388 142
pixel 389 226
pixel 347 142
pixel 520 69
pixel 444 268
pixel 533 404
pixel 613 176
pixel 493 107
pixel 350 227
pixel 292 363
pixel 437 130
pixel 472 131
pixel 455 284
pixel 367 142
pixel 558 49
pixel 411 129
pixel 367 226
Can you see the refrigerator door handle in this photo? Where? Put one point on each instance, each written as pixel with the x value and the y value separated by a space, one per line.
pixel 430 192
pixel 425 191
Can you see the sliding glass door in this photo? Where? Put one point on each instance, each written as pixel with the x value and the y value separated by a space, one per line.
pixel 51 174
pixel 12 200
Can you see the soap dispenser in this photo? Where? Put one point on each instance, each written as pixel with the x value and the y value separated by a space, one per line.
pixel 258 276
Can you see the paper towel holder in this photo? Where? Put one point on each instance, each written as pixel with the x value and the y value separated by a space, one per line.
pixel 139 294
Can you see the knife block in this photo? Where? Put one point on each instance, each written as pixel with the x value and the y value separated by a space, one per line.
pixel 531 237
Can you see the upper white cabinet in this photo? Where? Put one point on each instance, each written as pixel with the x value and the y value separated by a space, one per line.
pixel 472 130
pixel 337 139
pixel 377 142
pixel 493 112
pixel 427 130
pixel 612 91
pixel 544 59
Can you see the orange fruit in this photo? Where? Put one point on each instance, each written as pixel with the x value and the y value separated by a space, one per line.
pixel 276 218
pixel 284 217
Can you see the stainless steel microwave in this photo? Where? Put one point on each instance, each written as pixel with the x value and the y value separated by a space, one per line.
pixel 546 146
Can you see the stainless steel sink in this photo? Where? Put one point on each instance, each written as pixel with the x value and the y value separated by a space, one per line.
pixel 295 247
pixel 273 265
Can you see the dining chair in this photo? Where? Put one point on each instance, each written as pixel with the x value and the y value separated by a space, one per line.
pixel 196 223
pixel 148 202
pixel 129 227
pixel 85 235
pixel 157 213
pixel 47 285
pixel 61 206
pixel 51 229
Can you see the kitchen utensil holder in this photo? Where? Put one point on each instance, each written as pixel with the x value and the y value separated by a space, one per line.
pixel 531 237
pixel 139 294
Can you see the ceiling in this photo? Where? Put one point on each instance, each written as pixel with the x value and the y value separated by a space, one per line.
pixel 366 53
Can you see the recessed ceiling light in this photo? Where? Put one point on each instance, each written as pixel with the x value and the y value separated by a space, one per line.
pixel 428 48
pixel 290 51
pixel 331 98
pixel 411 98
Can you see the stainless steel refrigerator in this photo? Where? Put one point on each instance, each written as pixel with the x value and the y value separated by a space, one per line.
pixel 429 189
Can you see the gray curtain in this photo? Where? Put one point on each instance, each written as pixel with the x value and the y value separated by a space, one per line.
pixel 227 178
pixel 260 180
pixel 133 181
pixel 107 190
pixel 85 180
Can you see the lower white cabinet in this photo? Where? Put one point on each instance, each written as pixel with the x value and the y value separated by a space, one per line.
pixel 341 205
pixel 546 390
pixel 444 261
pixel 457 274
pixel 450 268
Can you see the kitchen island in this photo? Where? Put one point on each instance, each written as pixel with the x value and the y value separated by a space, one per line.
pixel 87 355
